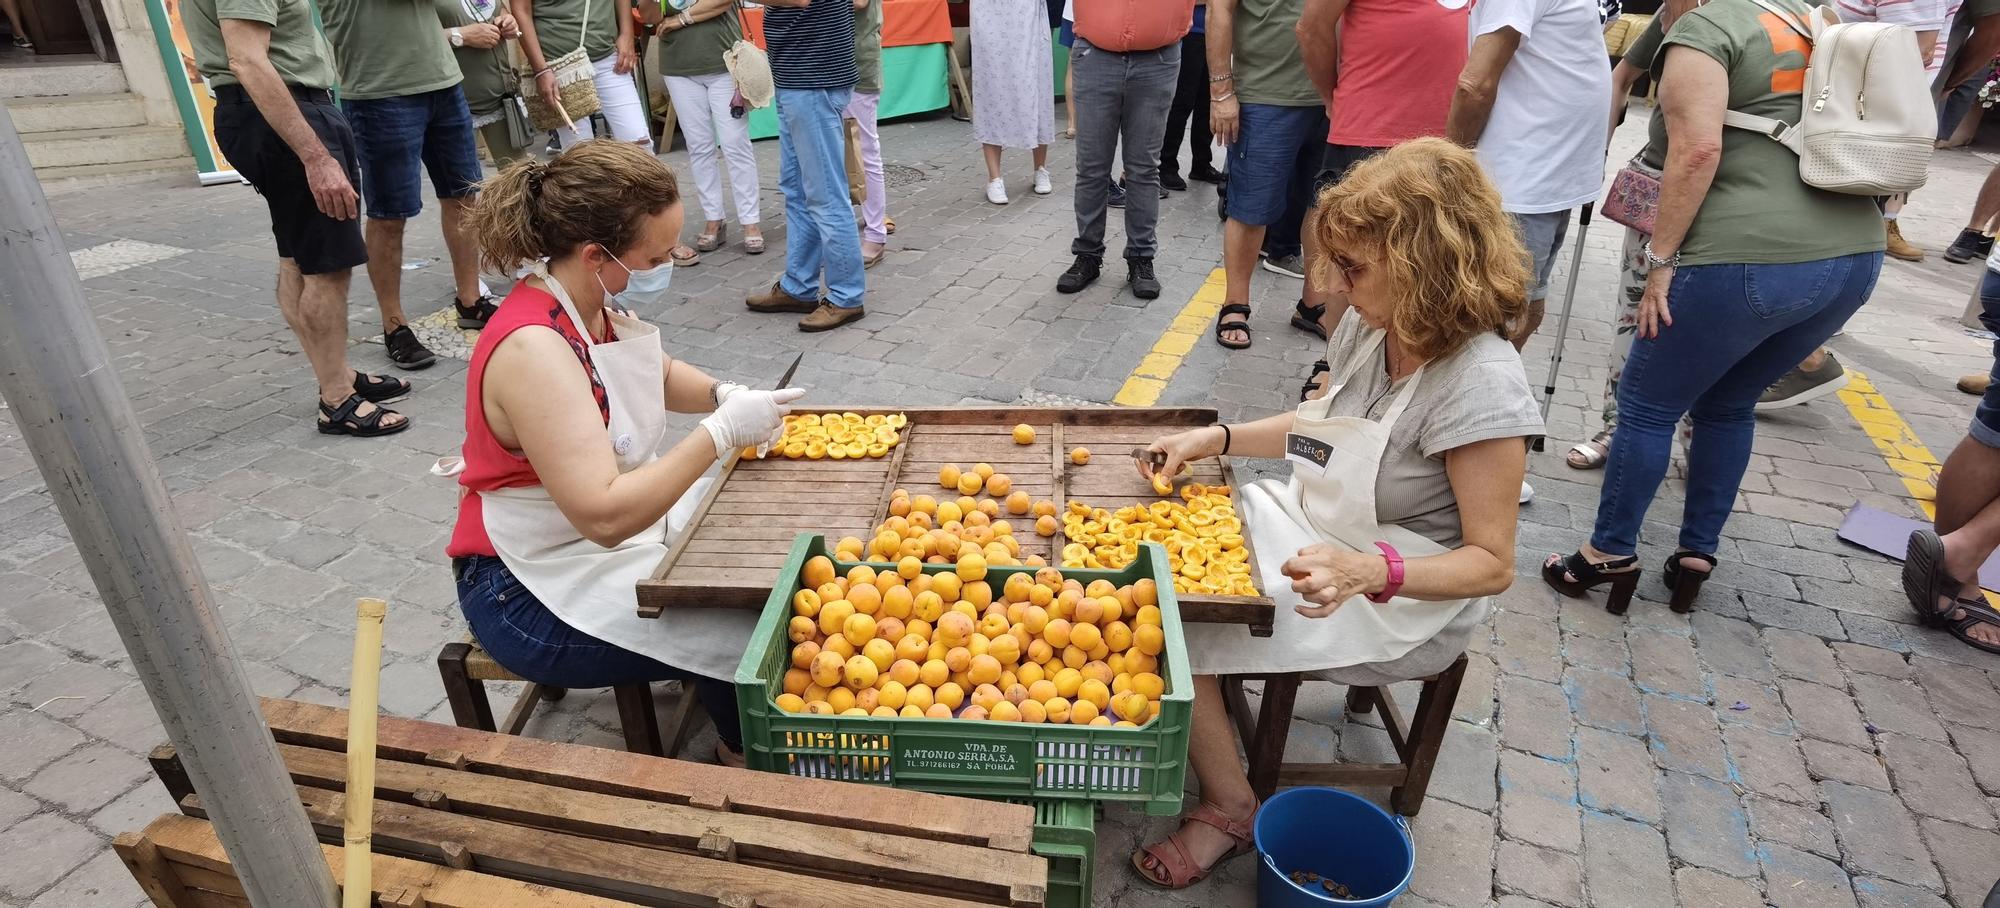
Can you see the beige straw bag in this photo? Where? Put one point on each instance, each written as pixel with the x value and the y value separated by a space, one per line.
pixel 576 87
pixel 749 67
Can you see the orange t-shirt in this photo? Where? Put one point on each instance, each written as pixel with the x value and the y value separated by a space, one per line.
pixel 1137 25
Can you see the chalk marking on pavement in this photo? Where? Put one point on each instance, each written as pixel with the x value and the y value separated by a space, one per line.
pixel 1894 438
pixel 1144 386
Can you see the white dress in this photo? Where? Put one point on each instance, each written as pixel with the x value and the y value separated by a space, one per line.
pixel 1013 76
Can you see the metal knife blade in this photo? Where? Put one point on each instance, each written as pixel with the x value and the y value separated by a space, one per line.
pixel 785 381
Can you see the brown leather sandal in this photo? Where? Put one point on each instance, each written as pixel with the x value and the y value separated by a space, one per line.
pixel 1172 859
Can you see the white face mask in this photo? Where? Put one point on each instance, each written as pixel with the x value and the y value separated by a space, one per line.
pixel 642 288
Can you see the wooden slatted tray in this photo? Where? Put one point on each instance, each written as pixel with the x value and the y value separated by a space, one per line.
pixel 465 817
pixel 744 528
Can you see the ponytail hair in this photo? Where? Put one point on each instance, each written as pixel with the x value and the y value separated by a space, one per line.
pixel 595 192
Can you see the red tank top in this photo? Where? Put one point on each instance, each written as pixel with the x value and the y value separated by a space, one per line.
pixel 488 464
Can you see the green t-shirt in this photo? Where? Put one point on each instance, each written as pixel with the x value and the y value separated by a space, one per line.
pixel 697 50
pixel 388 48
pixel 868 46
pixel 488 77
pixel 1265 55
pixel 298 51
pixel 1641 53
pixel 1758 211
pixel 558 22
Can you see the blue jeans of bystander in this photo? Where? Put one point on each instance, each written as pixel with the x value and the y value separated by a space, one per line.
pixel 819 218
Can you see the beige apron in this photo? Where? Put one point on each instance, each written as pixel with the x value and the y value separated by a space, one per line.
pixel 1330 499
pixel 588 586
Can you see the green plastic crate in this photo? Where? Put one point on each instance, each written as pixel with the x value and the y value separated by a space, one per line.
pixel 1066 834
pixel 1145 765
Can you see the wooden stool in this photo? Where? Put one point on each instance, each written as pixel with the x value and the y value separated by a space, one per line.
pixel 465 668
pixel 1264 736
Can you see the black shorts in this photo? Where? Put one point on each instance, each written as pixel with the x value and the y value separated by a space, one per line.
pixel 316 243
pixel 1337 161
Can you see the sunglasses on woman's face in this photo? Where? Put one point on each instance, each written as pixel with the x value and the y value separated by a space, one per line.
pixel 1349 269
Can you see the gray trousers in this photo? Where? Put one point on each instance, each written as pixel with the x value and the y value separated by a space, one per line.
pixel 1120 96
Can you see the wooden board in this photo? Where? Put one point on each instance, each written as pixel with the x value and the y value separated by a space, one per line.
pixel 868 808
pixel 187 847
pixel 745 526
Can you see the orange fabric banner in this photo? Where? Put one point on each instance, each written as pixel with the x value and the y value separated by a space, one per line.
pixel 904 22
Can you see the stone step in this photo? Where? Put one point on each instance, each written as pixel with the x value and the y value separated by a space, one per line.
pixel 124 145
pixel 42 115
pixel 43 80
pixel 58 180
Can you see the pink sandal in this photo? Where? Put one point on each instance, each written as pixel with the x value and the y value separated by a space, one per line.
pixel 1171 857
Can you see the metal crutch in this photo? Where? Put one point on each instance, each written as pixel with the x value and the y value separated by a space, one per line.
pixel 1562 323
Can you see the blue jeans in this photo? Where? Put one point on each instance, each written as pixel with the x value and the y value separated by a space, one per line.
pixel 1737 329
pixel 521 634
pixel 400 138
pixel 1986 419
pixel 812 149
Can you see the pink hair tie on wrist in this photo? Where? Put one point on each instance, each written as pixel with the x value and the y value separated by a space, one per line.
pixel 1395 584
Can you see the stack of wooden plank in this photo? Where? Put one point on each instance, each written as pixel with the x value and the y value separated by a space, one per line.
pixel 482 820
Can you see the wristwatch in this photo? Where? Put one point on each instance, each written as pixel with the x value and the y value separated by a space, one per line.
pixel 457 38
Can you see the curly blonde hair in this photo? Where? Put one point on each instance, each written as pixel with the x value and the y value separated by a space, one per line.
pixel 1451 256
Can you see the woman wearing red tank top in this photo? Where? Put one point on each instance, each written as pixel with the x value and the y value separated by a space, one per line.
pixel 568 472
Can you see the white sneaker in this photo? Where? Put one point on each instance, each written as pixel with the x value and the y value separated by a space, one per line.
pixel 1043 186
pixel 996 192
pixel 1527 492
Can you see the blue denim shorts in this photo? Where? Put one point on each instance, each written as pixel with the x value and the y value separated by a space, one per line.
pixel 520 633
pixel 1986 419
pixel 399 138
pixel 1269 140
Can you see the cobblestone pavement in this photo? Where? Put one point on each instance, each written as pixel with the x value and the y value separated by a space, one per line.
pixel 1592 760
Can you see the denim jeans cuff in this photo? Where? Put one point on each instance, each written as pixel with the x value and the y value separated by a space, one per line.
pixel 1984 434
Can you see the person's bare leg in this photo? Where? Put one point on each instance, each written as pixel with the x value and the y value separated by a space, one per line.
pixel 1968 127
pixel 385 269
pixel 1530 323
pixel 1814 361
pixel 460 245
pixel 1041 156
pixel 315 306
pixel 1069 100
pixel 1986 206
pixel 13 10
pixel 1968 519
pixel 1317 292
pixel 992 153
pixel 1240 242
pixel 1224 784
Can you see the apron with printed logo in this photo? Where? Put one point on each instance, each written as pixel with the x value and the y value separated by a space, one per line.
pixel 1329 499
pixel 588 586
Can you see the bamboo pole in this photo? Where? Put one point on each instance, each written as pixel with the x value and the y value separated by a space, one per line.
pixel 364 692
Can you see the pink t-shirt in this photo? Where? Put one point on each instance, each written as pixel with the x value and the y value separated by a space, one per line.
pixel 1399 63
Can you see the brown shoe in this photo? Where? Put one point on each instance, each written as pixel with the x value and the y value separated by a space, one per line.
pixel 1899 247
pixel 1975 384
pixel 777 300
pixel 829 316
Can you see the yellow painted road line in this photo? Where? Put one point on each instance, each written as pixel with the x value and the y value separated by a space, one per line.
pixel 1898 443
pixel 1144 386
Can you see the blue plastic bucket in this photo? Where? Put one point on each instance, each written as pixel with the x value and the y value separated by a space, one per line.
pixel 1337 835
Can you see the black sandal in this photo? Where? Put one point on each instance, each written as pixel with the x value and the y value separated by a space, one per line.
pixel 1307 318
pixel 1684 583
pixel 342 420
pixel 1575 576
pixel 1243 324
pixel 380 389
pixel 1976 612
pixel 1312 381
pixel 477 314
pixel 1925 581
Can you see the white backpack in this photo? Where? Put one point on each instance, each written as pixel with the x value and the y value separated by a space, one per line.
pixel 1866 124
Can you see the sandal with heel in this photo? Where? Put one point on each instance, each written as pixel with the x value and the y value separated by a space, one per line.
pixel 1172 859
pixel 1685 583
pixel 1575 576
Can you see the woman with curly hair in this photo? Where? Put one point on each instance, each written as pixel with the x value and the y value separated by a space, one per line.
pixel 1397 523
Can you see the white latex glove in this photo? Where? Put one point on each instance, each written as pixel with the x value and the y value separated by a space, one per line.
pixel 723 389
pixel 750 419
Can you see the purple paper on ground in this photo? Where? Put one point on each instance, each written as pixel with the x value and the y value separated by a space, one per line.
pixel 1881 531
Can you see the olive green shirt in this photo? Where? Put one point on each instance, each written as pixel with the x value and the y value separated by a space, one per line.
pixel 388 48
pixel 298 51
pixel 1758 211
pixel 558 23
pixel 868 47
pixel 488 76
pixel 1265 55
pixel 697 49
pixel 1641 53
